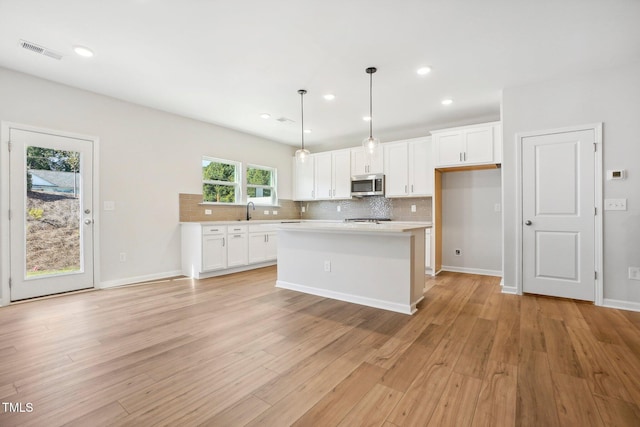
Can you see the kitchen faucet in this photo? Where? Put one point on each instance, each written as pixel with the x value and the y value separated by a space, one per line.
pixel 254 208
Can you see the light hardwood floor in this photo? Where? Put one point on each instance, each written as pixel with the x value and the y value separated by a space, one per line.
pixel 234 351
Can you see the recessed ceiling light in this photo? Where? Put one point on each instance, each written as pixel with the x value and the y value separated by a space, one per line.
pixel 329 97
pixel 265 115
pixel 307 131
pixel 83 51
pixel 447 101
pixel 423 71
pixel 366 118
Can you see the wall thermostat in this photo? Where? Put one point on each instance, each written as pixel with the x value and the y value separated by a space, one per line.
pixel 616 174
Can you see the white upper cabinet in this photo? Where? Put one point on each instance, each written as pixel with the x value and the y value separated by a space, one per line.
pixel 408 168
pixel 332 175
pixel 362 163
pixel 468 145
pixel 303 179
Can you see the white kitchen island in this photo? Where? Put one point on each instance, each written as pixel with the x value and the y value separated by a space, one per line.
pixel 378 265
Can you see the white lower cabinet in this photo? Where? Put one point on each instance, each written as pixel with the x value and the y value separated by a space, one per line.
pixel 209 250
pixel 214 250
pixel 263 243
pixel 237 246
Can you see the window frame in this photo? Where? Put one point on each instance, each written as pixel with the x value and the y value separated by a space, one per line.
pixel 273 187
pixel 236 184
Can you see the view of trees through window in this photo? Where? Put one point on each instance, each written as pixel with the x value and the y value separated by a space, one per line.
pixel 219 181
pixel 260 185
pixel 222 183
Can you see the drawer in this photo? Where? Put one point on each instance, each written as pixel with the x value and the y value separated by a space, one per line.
pixel 263 228
pixel 213 229
pixel 237 229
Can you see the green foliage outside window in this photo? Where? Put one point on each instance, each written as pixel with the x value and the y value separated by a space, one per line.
pixel 219 181
pixel 261 185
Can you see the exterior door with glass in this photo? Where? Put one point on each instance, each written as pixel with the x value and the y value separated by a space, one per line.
pixel 51 213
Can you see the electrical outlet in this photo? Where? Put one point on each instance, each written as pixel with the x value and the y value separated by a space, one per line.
pixel 497 207
pixel 275 212
pixel 327 266
pixel 338 208
pixel 109 206
pixel 634 273
pixel 266 212
pixel 458 252
pixel 304 209
pixel 123 257
pixel 413 208
pixel 207 211
pixel 615 204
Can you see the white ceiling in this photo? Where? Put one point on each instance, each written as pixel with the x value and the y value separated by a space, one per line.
pixel 227 61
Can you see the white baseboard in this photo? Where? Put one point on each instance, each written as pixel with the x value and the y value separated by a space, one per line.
pixel 471 271
pixel 620 304
pixel 4 302
pixel 138 279
pixel 370 302
pixel 509 290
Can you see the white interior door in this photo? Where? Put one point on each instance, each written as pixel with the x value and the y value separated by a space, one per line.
pixel 51 225
pixel 558 211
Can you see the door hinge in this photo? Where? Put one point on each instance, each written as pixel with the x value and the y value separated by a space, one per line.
pixel 9 146
pixel 595 210
pixel 595 275
pixel 595 146
pixel 9 214
pixel 10 283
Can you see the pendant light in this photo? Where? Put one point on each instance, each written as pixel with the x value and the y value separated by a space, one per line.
pixel 371 144
pixel 302 154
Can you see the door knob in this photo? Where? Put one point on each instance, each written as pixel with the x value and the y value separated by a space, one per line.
pixel 528 222
pixel 88 221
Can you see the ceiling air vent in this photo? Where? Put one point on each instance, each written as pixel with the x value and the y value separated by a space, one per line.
pixel 285 120
pixel 39 49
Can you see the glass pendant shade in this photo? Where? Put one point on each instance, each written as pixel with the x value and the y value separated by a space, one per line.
pixel 302 155
pixel 370 145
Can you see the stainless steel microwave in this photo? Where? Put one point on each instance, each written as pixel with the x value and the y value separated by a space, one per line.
pixel 367 185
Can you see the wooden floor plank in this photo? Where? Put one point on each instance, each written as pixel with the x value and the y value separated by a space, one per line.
pixel 574 401
pixel 617 413
pixel 535 404
pixel 336 404
pixel 496 405
pixel 235 350
pixel 457 404
pixel 373 408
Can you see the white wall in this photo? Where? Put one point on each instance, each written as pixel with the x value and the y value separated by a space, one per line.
pixel 611 96
pixel 146 158
pixel 470 222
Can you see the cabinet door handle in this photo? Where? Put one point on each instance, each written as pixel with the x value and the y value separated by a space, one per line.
pixel 465 156
pixel 405 188
pixel 412 188
pixel 267 238
pixel 460 156
pixel 223 241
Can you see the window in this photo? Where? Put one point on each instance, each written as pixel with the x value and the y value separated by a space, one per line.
pixel 261 185
pixel 220 181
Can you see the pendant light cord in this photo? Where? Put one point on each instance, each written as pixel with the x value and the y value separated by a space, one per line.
pixel 370 105
pixel 302 114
